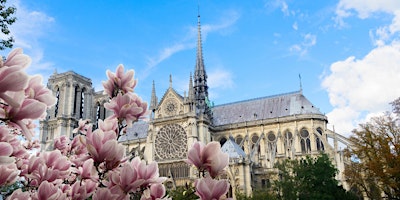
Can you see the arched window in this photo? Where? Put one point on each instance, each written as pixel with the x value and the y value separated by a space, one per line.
pixel 239 140
pixel 82 103
pixel 320 144
pixel 254 140
pixel 222 141
pixel 57 102
pixel 305 142
pixel 75 100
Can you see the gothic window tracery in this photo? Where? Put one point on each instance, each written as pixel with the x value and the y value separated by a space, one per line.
pixel 305 142
pixel 271 148
pixel 171 142
pixel 288 142
pixel 239 141
pixel 318 140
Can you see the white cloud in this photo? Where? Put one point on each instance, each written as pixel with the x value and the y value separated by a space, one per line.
pixel 228 19
pixel 220 78
pixel 309 40
pixel 278 4
pixel 359 88
pixel 29 27
pixel 295 26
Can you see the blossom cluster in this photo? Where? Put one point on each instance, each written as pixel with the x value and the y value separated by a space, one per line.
pixel 91 165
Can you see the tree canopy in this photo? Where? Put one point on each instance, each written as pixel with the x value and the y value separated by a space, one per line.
pixel 309 178
pixel 6 19
pixel 374 169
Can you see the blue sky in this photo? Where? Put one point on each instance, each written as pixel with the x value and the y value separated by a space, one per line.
pixel 347 51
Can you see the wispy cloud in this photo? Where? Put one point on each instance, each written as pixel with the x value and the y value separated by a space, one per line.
pixel 302 48
pixel 188 41
pixel 279 4
pixel 363 9
pixel 219 79
pixel 29 27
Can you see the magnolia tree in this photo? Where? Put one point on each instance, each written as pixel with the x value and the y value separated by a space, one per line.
pixel 93 165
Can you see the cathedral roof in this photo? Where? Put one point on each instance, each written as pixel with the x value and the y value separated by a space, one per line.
pixel 269 107
pixel 233 150
pixel 137 131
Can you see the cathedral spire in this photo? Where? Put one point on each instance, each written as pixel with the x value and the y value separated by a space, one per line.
pixel 200 77
pixel 191 92
pixel 153 102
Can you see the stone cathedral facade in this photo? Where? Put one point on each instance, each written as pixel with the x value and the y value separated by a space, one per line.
pixel 256 133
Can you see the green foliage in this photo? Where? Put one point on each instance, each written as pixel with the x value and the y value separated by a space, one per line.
pixel 257 195
pixel 309 178
pixel 7 190
pixel 183 193
pixel 6 19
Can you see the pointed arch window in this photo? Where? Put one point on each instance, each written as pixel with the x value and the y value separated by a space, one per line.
pixel 318 140
pixel 239 141
pixel 222 141
pixel 288 142
pixel 82 103
pixel 305 142
pixel 57 102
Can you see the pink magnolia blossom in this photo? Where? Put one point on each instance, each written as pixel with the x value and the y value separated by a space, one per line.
pixel 88 171
pixel 210 189
pixel 8 173
pixel 83 126
pixel 208 157
pixel 109 124
pixel 128 106
pixel 149 173
pixel 62 144
pixel 48 191
pixel 155 192
pixel 81 190
pixel 19 195
pixel 103 147
pixel 119 82
pixel 16 58
pixel 28 109
pixel 36 90
pixel 125 180
pixel 104 194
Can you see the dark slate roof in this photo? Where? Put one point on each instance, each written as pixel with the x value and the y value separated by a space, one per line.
pixel 269 107
pixel 137 131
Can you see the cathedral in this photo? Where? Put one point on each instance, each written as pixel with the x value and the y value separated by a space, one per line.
pixel 256 133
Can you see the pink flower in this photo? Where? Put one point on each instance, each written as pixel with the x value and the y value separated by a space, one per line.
pixel 126 180
pixel 18 194
pixel 103 147
pixel 108 125
pixel 119 82
pixel 8 173
pixel 149 173
pixel 16 58
pixel 62 144
pixel 88 171
pixel 36 90
pixel 209 157
pixel 128 106
pixel 104 194
pixel 82 189
pixel 210 189
pixel 155 192
pixel 83 126
pixel 48 191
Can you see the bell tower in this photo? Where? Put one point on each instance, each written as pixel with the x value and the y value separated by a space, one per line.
pixel 74 96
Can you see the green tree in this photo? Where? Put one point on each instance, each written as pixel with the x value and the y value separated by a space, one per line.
pixel 376 152
pixel 6 19
pixel 183 193
pixel 309 178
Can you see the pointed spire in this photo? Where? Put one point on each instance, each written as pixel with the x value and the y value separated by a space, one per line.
pixel 191 92
pixel 200 77
pixel 153 102
pixel 170 81
pixel 301 86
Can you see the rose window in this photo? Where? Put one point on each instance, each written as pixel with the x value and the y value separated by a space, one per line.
pixel 171 143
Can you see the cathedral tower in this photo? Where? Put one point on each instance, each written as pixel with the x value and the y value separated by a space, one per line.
pixel 74 96
pixel 200 79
